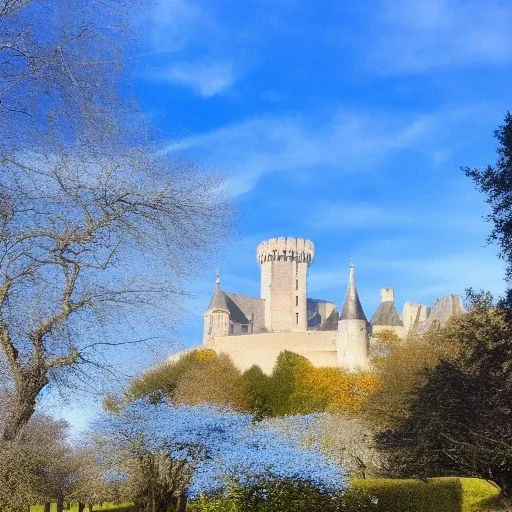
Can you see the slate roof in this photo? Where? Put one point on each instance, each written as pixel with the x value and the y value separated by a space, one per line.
pixel 386 314
pixel 218 300
pixel 352 309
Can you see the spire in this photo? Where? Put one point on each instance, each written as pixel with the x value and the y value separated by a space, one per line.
pixel 352 309
pixel 218 298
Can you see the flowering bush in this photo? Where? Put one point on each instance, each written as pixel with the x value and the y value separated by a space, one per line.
pixel 222 451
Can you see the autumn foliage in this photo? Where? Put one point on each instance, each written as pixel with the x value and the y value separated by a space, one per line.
pixel 294 387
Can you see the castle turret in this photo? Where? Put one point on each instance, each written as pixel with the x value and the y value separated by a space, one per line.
pixel 284 266
pixel 216 317
pixel 352 340
pixel 386 317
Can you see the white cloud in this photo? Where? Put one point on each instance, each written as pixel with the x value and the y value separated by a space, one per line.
pixel 173 23
pixel 412 37
pixel 347 142
pixel 206 79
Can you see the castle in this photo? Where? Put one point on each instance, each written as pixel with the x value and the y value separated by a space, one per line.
pixel 256 330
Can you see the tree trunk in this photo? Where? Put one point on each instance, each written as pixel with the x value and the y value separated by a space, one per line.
pixel 28 385
pixel 90 505
pixel 81 506
pixel 182 503
pixel 47 506
pixel 60 504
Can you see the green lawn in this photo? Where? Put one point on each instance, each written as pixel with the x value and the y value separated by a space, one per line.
pixel 447 494
pixel 120 507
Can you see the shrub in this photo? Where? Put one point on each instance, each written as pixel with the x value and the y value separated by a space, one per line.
pixel 449 494
pixel 287 496
pixel 479 495
pixel 435 495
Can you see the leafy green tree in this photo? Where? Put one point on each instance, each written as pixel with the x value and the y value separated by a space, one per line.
pixel 258 392
pixel 459 421
pixel 283 383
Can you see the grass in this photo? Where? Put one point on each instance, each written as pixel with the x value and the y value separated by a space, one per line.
pixel 452 494
pixel 112 507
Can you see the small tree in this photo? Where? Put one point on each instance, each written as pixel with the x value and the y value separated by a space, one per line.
pixel 37 467
pixel 201 376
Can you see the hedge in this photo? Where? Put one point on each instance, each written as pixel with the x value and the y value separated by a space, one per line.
pixel 450 494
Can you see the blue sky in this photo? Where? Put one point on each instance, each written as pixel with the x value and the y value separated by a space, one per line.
pixel 342 122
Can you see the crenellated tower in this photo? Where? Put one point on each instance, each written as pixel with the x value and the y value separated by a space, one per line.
pixel 284 266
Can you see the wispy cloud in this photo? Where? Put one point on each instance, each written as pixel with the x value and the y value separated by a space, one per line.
pixel 205 78
pixel 346 142
pixel 349 215
pixel 413 37
pixel 173 23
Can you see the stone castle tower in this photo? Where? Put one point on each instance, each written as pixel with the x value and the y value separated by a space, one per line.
pixel 352 338
pixel 284 266
pixel 216 317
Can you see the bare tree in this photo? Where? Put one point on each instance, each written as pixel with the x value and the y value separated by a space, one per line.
pixel 38 467
pixel 97 225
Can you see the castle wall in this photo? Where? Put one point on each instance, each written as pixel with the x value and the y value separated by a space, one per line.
pixel 262 349
pixel 413 315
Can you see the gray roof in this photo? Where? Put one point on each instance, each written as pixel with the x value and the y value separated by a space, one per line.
pixel 218 299
pixel 386 314
pixel 352 309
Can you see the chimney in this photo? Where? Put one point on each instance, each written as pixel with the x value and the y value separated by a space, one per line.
pixel 387 295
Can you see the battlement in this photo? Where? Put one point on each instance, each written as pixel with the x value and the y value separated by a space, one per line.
pixel 286 249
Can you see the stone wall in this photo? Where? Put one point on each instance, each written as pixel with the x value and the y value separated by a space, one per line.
pixel 262 349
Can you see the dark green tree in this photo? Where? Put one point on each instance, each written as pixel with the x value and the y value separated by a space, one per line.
pixel 282 380
pixel 495 181
pixel 460 420
pixel 258 392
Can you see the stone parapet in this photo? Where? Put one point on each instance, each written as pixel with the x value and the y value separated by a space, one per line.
pixel 286 249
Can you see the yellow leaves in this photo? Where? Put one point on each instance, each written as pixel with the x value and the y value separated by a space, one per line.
pixel 198 377
pixel 333 389
pixel 205 354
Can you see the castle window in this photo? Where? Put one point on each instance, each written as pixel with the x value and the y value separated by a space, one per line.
pixel 297 318
pixel 296 284
pixel 296 300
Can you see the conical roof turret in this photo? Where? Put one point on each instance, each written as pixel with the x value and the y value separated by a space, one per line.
pixel 218 298
pixel 352 309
